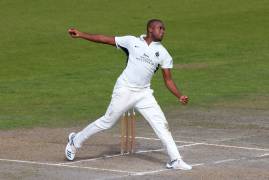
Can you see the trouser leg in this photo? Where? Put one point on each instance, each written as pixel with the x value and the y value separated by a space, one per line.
pixel 152 112
pixel 121 101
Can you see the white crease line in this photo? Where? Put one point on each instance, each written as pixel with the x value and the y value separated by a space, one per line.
pixel 93 159
pixel 141 173
pixel 188 145
pixel 210 144
pixel 193 165
pixel 150 172
pixel 263 155
pixel 156 150
pixel 198 164
pixel 111 156
pixel 156 139
pixel 223 161
pixel 70 166
pixel 117 155
pixel 162 170
pixel 238 159
pixel 233 138
pixel 129 173
pixel 238 147
pixel 146 151
pixel 28 162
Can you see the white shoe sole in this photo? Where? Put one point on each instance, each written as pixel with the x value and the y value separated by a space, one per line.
pixel 180 166
pixel 69 152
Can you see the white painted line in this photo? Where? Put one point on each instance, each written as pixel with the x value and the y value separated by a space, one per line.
pixel 128 173
pixel 223 161
pixel 111 156
pixel 70 166
pixel 195 165
pixel 93 159
pixel 150 172
pixel 210 144
pixel 237 147
pixel 28 162
pixel 162 170
pixel 156 139
pixel 156 150
pixel 188 145
pixel 263 155
pixel 117 155
pixel 200 164
pixel 233 138
pixel 146 151
pixel 132 173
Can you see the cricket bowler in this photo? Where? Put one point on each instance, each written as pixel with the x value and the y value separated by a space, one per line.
pixel 132 89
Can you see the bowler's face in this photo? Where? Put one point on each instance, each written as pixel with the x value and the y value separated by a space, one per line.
pixel 157 31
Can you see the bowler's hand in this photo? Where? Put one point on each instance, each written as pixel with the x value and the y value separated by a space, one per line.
pixel 74 33
pixel 184 99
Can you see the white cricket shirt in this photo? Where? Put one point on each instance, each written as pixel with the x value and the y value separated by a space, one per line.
pixel 143 60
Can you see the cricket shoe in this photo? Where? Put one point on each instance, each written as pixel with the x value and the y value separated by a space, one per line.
pixel 70 150
pixel 178 164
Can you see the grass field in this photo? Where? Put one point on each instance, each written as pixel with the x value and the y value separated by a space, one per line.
pixel 220 51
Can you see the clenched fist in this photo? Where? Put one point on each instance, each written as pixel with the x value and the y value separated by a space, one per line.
pixel 184 99
pixel 74 33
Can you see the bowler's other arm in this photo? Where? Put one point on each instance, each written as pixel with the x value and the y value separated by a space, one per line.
pixel 98 38
pixel 170 84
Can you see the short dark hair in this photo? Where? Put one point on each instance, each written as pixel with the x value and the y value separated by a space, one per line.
pixel 151 21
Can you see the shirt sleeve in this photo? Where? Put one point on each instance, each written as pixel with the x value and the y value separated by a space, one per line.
pixel 167 61
pixel 123 41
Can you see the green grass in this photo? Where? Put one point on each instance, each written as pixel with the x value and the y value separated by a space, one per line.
pixel 49 79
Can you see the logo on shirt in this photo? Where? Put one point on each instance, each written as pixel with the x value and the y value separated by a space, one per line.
pixel 145 59
pixel 136 46
pixel 146 55
pixel 157 54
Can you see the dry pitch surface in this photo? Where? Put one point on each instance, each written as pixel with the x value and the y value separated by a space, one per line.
pixel 219 143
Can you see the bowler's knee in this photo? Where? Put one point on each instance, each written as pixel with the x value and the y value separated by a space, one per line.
pixel 105 122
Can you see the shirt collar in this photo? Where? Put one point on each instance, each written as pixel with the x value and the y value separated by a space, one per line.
pixel 142 39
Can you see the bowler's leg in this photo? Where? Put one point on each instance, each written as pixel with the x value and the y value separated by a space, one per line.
pixel 75 141
pixel 120 102
pixel 152 112
pixel 154 115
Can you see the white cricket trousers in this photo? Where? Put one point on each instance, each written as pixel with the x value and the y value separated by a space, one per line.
pixel 124 98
